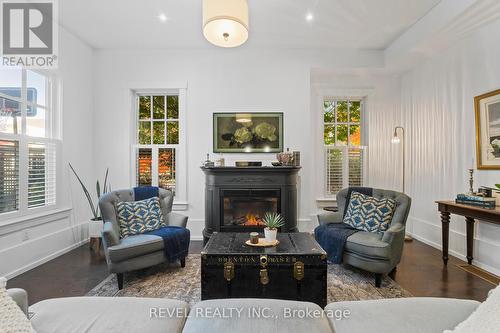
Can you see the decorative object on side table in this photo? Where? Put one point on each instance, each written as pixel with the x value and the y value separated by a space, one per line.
pixel 481 199
pixel 471 182
pixel 273 222
pixel 487 109
pixel 248 132
pixel 95 223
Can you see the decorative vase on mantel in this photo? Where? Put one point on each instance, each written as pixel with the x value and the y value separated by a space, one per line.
pixel 285 159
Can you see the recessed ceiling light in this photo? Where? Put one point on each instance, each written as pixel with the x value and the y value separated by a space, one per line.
pixel 162 17
pixel 309 17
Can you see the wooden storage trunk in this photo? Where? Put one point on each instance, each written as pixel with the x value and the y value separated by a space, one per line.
pixel 296 269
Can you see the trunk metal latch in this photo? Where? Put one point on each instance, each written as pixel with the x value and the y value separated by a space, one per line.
pixel 264 276
pixel 298 270
pixel 228 271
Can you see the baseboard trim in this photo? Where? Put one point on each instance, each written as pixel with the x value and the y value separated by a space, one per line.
pixel 43 260
pixel 452 252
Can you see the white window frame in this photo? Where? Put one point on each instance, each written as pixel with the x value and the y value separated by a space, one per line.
pixel 326 91
pixel 52 137
pixel 180 199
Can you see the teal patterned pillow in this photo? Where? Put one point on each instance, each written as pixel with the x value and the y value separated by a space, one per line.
pixel 368 213
pixel 138 217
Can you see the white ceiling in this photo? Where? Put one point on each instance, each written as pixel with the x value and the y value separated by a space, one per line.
pixel 363 24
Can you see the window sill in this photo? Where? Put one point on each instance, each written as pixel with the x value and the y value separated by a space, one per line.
pixel 32 220
pixel 180 206
pixel 325 202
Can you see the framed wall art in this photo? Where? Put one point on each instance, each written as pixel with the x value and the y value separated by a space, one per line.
pixel 248 132
pixel 487 108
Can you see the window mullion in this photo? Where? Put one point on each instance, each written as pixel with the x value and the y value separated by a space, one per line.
pixel 23 174
pixel 345 173
pixel 23 148
pixel 154 165
pixel 24 103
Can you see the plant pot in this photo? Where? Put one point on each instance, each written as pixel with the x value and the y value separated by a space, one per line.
pixel 95 228
pixel 270 235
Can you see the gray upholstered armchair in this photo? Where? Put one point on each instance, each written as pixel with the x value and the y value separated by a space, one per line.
pixel 138 251
pixel 373 252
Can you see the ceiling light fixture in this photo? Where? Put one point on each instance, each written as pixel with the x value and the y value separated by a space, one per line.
pixel 162 17
pixel 225 22
pixel 309 17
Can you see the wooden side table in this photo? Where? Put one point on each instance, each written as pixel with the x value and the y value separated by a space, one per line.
pixel 471 213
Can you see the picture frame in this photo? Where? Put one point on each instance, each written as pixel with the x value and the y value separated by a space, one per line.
pixel 487 114
pixel 248 132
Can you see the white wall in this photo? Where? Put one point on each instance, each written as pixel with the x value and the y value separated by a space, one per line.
pixel 218 80
pixel 34 241
pixel 438 112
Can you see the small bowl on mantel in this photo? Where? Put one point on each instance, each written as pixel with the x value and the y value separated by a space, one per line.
pixel 276 164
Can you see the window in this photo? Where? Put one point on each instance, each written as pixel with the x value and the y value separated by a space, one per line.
pixel 344 154
pixel 28 144
pixel 157 140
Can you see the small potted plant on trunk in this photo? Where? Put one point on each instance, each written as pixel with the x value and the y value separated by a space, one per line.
pixel 273 221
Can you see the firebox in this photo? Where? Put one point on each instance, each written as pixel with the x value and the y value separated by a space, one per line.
pixel 245 208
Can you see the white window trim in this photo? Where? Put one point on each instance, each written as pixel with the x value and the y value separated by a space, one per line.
pixel 323 92
pixel 52 123
pixel 181 196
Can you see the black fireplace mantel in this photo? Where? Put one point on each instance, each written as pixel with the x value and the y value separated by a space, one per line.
pixel 218 179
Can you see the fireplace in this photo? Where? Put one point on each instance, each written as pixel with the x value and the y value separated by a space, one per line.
pixel 236 199
pixel 243 209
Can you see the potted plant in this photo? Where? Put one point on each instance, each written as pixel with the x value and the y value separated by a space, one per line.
pixel 95 223
pixel 273 221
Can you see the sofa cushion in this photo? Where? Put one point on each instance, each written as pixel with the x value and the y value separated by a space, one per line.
pixel 108 314
pixel 256 315
pixel 369 213
pixel 408 315
pixel 12 318
pixel 368 244
pixel 137 217
pixel 135 246
pixel 486 318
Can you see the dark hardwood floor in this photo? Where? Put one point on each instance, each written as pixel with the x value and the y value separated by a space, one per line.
pixel 421 272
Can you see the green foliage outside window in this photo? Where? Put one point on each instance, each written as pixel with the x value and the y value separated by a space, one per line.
pixel 346 115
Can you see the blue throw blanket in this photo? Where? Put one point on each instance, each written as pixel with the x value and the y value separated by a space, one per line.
pixel 332 238
pixel 175 241
pixel 145 192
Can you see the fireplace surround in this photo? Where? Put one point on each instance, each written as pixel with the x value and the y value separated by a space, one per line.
pixel 236 198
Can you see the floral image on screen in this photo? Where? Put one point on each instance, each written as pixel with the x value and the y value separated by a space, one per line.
pixel 248 132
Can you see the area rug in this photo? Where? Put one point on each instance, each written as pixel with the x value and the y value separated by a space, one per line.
pixel 174 282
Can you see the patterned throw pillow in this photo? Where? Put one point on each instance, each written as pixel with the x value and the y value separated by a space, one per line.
pixel 368 213
pixel 137 217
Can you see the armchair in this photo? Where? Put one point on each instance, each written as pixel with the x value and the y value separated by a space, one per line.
pixel 376 253
pixel 138 251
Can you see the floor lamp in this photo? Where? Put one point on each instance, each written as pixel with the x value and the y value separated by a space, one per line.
pixel 396 140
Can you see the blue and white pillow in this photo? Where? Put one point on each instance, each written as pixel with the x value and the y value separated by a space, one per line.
pixel 368 213
pixel 138 217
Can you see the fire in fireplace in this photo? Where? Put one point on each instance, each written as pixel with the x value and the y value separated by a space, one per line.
pixel 246 208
